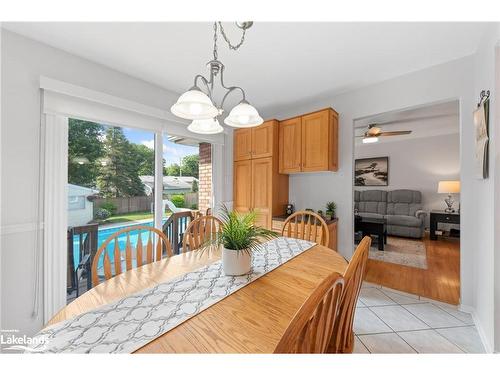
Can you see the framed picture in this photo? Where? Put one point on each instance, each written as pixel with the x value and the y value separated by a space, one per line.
pixel 371 172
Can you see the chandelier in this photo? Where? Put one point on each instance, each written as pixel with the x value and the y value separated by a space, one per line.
pixel 200 105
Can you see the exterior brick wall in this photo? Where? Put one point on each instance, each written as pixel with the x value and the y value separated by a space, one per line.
pixel 205 177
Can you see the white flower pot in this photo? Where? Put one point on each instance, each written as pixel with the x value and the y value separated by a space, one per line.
pixel 236 262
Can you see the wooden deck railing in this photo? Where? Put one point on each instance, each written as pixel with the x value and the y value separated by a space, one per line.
pixel 175 226
pixel 87 242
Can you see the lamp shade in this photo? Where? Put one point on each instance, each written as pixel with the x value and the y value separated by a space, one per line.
pixel 449 187
pixel 370 139
pixel 243 115
pixel 210 126
pixel 194 105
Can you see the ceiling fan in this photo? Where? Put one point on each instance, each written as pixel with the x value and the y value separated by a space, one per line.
pixel 374 132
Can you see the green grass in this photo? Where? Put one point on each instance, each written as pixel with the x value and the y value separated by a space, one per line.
pixel 131 216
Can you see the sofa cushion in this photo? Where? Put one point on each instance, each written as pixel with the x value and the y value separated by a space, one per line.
pixel 403 220
pixel 370 215
pixel 371 201
pixel 403 202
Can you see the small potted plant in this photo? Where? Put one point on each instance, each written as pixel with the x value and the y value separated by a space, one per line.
pixel 330 210
pixel 239 237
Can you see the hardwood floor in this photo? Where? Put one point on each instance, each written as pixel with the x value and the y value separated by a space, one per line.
pixel 440 281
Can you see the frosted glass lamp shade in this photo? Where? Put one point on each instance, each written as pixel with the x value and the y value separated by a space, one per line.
pixel 210 126
pixel 370 139
pixel 243 115
pixel 194 105
pixel 449 187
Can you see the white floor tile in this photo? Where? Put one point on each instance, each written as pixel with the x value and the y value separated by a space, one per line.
pixel 401 297
pixel 374 297
pixel 359 303
pixel 466 338
pixel 398 318
pixel 359 347
pixel 433 316
pixel 366 284
pixel 460 315
pixel 366 322
pixel 386 343
pixel 429 341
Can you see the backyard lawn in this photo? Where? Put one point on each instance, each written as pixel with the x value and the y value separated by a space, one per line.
pixel 131 216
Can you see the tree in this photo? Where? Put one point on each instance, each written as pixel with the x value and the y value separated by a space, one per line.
pixel 172 170
pixel 194 186
pixel 146 159
pixel 84 141
pixel 119 176
pixel 190 165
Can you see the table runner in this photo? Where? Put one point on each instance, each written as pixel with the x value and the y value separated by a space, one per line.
pixel 134 321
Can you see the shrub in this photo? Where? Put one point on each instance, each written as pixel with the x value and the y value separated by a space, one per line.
pixel 102 214
pixel 178 200
pixel 109 206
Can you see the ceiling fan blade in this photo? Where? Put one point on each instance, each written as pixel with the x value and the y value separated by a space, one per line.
pixel 396 132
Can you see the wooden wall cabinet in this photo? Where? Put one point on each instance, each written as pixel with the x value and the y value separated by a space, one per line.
pixel 257 184
pixel 309 143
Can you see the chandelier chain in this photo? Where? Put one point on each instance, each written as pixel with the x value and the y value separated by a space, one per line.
pixel 231 46
pixel 215 41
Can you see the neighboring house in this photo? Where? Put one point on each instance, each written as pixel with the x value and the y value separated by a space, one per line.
pixel 171 184
pixel 80 209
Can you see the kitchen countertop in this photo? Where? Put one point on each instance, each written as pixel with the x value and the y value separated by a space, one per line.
pixel 284 217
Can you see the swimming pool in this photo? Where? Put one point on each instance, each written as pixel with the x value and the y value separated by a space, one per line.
pixel 104 233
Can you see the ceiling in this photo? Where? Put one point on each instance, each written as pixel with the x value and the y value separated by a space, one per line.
pixel 279 63
pixel 425 121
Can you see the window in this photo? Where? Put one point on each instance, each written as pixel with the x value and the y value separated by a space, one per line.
pixel 76 202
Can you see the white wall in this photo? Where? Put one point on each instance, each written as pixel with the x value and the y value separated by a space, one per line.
pixel 418 164
pixel 486 217
pixel 23 62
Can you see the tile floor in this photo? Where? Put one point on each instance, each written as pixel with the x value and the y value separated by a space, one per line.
pixel 390 321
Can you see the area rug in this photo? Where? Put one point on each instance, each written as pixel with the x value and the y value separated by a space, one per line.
pixel 404 251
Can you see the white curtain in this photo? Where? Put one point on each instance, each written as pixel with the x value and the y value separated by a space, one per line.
pixel 55 213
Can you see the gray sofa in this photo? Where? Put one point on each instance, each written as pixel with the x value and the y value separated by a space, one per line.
pixel 402 210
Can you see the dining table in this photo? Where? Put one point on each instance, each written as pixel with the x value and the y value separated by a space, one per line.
pixel 250 320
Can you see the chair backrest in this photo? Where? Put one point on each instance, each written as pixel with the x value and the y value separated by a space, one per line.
pixel 343 338
pixel 142 254
pixel 312 326
pixel 200 231
pixel 306 225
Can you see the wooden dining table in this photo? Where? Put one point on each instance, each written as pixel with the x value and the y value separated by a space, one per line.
pixel 251 320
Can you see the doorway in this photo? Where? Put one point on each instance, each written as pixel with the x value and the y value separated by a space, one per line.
pixel 406 164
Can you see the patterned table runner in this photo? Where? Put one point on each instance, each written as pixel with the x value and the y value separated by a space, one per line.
pixel 134 321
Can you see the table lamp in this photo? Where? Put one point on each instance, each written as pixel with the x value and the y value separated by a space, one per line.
pixel 449 187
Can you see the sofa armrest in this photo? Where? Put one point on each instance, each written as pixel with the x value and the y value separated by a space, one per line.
pixel 421 214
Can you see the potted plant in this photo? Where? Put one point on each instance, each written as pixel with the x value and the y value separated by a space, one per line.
pixel 321 213
pixel 239 237
pixel 330 210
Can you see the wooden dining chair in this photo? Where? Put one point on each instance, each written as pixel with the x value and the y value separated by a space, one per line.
pixel 200 231
pixel 342 340
pixel 306 225
pixel 142 254
pixel 312 326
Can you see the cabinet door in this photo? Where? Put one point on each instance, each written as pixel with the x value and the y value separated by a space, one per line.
pixel 242 200
pixel 262 174
pixel 242 144
pixel 315 141
pixel 262 140
pixel 290 149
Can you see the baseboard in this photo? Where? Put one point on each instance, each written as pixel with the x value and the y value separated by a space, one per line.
pixel 471 310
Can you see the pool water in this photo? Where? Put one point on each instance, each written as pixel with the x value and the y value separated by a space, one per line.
pixel 104 233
